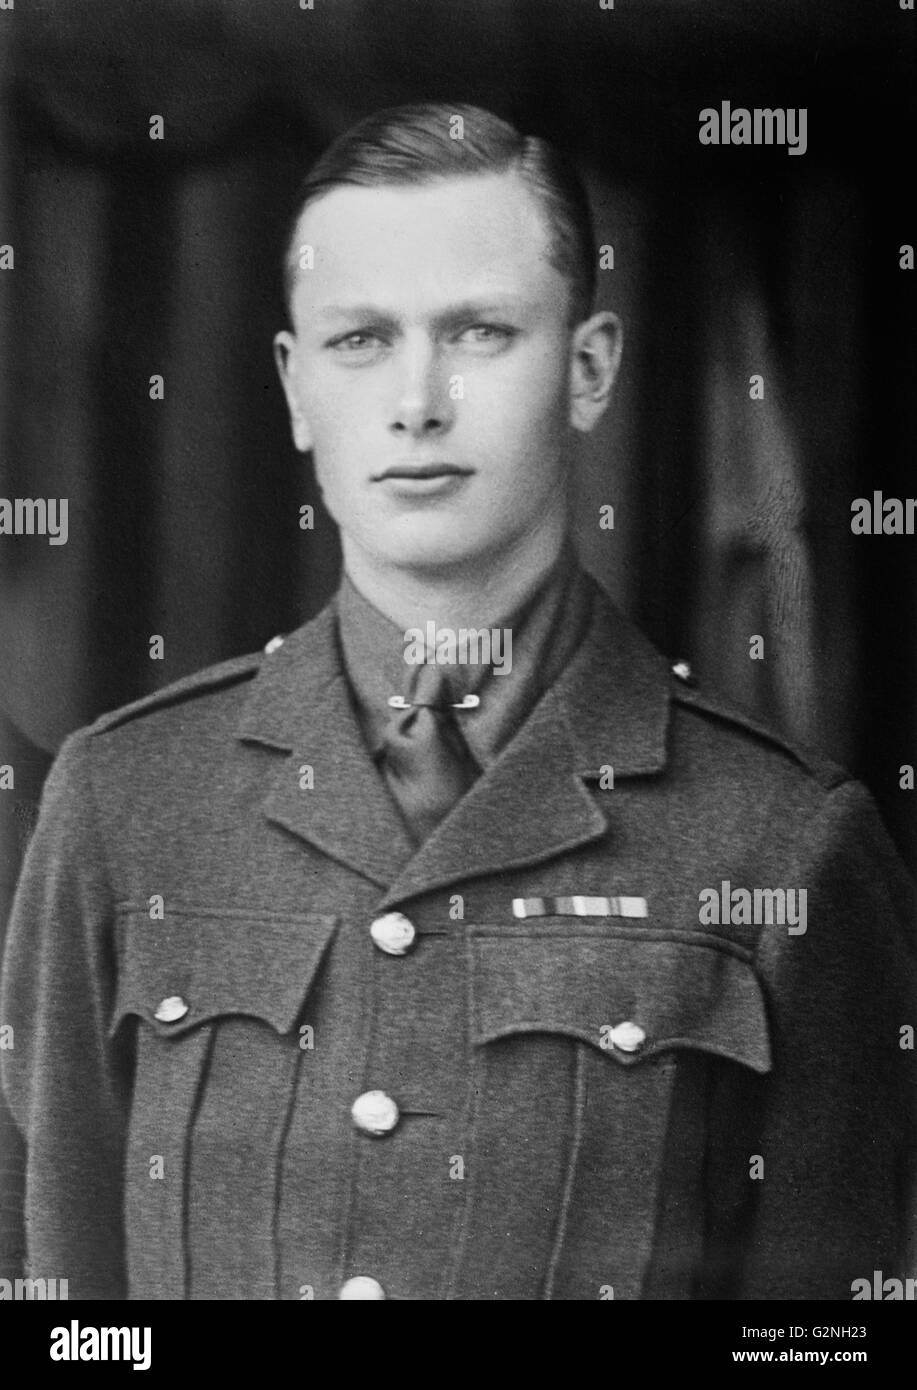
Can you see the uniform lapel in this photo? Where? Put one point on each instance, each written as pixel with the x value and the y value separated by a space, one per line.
pixel 300 704
pixel 609 708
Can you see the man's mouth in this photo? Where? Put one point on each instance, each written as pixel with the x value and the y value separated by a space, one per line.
pixel 423 471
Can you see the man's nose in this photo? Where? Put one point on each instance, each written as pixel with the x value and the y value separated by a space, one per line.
pixel 423 404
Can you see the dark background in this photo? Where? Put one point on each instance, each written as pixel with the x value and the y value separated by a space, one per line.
pixel 136 257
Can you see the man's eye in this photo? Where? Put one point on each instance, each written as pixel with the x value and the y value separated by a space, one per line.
pixel 486 333
pixel 354 342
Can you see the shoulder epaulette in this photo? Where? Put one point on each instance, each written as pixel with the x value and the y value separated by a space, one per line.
pixel 687 692
pixel 225 673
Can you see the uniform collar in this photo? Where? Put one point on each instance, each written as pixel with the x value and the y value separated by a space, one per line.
pixel 610 707
pixel 615 697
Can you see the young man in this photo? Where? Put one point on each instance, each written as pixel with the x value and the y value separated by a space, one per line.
pixel 403 960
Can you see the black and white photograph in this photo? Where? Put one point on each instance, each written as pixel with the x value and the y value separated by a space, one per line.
pixel 458 698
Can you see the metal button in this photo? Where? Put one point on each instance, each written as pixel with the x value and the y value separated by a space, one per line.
pixel 172 1009
pixel 273 646
pixel 682 670
pixel 375 1113
pixel 627 1037
pixel 393 934
pixel 362 1286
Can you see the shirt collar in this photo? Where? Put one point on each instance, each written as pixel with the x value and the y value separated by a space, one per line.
pixel 545 631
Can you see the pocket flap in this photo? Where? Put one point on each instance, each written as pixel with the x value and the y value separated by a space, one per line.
pixel 197 964
pixel 631 996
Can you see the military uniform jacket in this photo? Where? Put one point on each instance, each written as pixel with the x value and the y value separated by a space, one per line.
pixel 586 1106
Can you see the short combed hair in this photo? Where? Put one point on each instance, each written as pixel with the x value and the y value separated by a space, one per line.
pixel 416 145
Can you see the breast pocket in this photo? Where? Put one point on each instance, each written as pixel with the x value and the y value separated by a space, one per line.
pixel 215 999
pixel 592 1048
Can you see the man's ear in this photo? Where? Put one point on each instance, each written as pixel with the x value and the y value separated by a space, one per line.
pixel 595 355
pixel 285 356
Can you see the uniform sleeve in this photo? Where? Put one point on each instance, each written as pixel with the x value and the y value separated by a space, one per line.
pixel 66 1086
pixel 838 1138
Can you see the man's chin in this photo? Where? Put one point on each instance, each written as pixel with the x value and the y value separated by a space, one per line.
pixel 431 552
pixel 435 558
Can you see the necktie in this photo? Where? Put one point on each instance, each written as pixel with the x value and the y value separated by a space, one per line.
pixel 426 761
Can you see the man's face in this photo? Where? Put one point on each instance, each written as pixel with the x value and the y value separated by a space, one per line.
pixel 429 368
